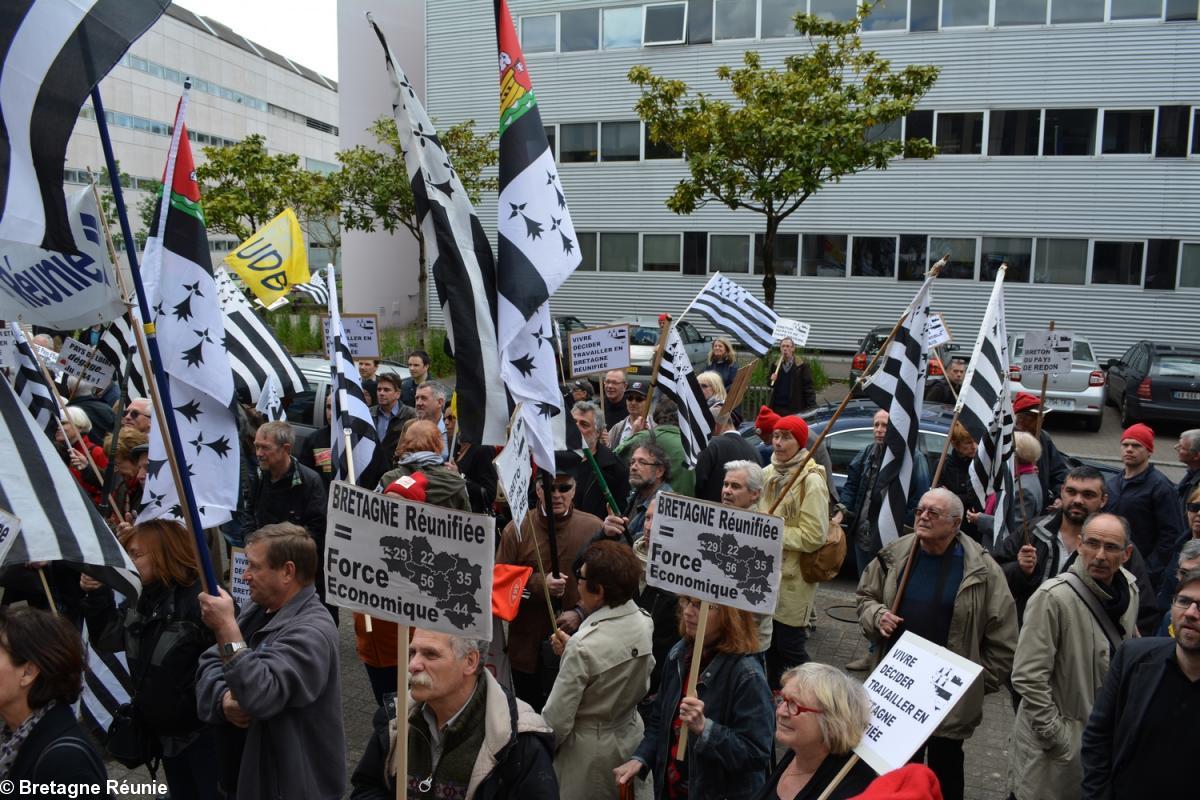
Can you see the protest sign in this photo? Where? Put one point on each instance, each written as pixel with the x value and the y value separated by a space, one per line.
pixel 911 692
pixel 10 526
pixel 717 553
pixel 936 332
pixel 8 348
pixel 76 358
pixel 1046 352
pixel 237 576
pixel 362 334
pixel 514 467
pixel 791 329
pixel 597 350
pixel 410 563
pixel 48 357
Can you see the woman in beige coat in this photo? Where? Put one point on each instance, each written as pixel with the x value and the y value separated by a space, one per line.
pixel 604 674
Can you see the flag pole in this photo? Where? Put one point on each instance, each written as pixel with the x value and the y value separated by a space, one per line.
pixel 663 327
pixel 693 673
pixel 147 341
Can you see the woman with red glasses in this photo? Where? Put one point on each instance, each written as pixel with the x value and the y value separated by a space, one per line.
pixel 820 716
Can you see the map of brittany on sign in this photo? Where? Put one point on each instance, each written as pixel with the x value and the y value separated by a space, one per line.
pixel 749 567
pixel 450 580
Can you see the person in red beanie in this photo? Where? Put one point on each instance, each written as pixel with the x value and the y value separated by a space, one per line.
pixel 1051 466
pixel 910 782
pixel 1147 499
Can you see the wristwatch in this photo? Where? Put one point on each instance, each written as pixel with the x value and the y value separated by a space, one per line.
pixel 230 649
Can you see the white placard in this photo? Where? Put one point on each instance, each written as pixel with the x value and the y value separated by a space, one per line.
pixel 911 691
pixel 76 358
pixel 362 334
pixel 409 563
pixel 10 526
pixel 514 467
pixel 791 329
pixel 237 576
pixel 936 332
pixel 1046 352
pixel 8 348
pixel 717 553
pixel 597 350
pixel 48 357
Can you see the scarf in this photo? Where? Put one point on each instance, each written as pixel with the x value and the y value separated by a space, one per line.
pixel 11 741
pixel 1115 600
pixel 421 458
pixel 783 472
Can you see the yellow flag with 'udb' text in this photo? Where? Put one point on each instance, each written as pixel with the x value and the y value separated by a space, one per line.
pixel 273 260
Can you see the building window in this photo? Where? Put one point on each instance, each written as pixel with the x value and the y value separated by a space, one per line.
pixel 923 15
pixel 652 150
pixel 1128 132
pixel 587 251
pixel 1069 132
pixel 1014 133
pixel 695 252
pixel 962 256
pixel 1020 12
pixel 728 253
pixel 783 254
pixel 777 17
pixel 734 19
pixel 911 261
pixel 1171 141
pixel 1189 267
pixel 998 249
pixel 665 23
pixel 888 15
pixel 1136 9
pixel 886 131
pixel 961 13
pixel 873 257
pixel 622 27
pixel 823 255
pixel 700 22
pixel 618 252
pixel 1117 263
pixel 539 33
pixel 1077 11
pixel 620 141
pixel 551 139
pixel 918 125
pixel 1162 262
pixel 1061 261
pixel 579 30
pixel 1181 10
pixel 1196 132
pixel 960 133
pixel 578 142
pixel 836 10
pixel 660 252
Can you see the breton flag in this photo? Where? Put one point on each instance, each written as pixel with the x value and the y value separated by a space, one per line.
pixel 30 385
pixel 54 53
pixel 255 355
pixel 677 381
pixel 58 520
pixel 107 685
pixel 119 345
pixel 899 387
pixel 737 312
pixel 182 295
pixel 537 247
pixel 270 402
pixel 460 260
pixel 315 289
pixel 985 409
pixel 349 408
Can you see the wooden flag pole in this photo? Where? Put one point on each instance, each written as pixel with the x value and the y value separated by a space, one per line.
pixel 837 779
pixel 46 588
pixel 370 628
pixel 402 633
pixel 537 552
pixel 1037 426
pixel 664 326
pixel 693 673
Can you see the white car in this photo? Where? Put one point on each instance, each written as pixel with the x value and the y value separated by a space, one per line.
pixel 1079 392
pixel 643 338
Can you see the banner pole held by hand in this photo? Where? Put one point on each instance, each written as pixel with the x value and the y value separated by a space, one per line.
pixel 693 674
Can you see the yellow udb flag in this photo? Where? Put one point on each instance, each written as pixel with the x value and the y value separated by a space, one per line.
pixel 273 260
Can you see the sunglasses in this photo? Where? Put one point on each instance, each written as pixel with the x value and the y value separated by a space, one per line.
pixel 1194 508
pixel 133 413
pixel 563 488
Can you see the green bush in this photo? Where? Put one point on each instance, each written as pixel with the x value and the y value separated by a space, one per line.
pixel 299 336
pixel 762 370
pixel 396 343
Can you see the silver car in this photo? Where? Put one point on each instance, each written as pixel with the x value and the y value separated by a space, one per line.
pixel 643 338
pixel 1079 392
pixel 306 411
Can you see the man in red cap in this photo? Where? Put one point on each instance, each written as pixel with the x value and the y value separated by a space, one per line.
pixel 1147 499
pixel 1052 467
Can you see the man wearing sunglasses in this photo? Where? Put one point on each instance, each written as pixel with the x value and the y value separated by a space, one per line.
pixel 1188 451
pixel 137 415
pixel 1142 732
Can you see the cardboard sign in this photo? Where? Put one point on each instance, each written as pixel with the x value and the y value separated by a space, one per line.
pixel 8 349
pixel 362 334
pixel 10 526
pixel 237 576
pixel 717 553
pixel 48 357
pixel 1046 352
pixel 597 350
pixel 791 329
pixel 76 358
pixel 410 563
pixel 936 332
pixel 514 467
pixel 912 690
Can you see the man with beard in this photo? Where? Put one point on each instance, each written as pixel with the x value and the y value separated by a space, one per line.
pixel 649 474
pixel 1143 729
pixel 1054 541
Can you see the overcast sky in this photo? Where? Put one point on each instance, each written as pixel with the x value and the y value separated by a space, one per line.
pixel 303 30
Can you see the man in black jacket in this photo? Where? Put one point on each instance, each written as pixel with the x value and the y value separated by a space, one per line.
pixel 1144 725
pixel 589 496
pixel 726 445
pixel 389 416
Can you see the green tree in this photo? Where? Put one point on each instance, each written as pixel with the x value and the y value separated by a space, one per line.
pixel 789 131
pixel 376 192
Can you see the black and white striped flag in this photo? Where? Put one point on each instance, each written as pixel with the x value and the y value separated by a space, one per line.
pixel 30 385
pixel 349 410
pixel 737 312
pixel 106 685
pixel 677 380
pixel 315 289
pixel 899 387
pixel 54 53
pixel 119 345
pixel 255 355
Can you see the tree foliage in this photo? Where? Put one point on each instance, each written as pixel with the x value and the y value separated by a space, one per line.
pixel 145 206
pixel 788 132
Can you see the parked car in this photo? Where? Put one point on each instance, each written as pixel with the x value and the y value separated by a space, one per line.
pixel 643 338
pixel 869 345
pixel 1079 392
pixel 1156 381
pixel 306 410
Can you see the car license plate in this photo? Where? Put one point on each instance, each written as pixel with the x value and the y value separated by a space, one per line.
pixel 1186 395
pixel 1062 403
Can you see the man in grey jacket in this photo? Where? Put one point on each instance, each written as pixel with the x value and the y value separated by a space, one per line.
pixel 274 673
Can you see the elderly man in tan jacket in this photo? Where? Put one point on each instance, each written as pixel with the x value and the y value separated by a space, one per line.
pixel 1073 625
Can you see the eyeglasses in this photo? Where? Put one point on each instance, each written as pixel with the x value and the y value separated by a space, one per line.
pixel 1194 508
pixel 931 512
pixel 579 576
pixel 133 413
pixel 563 488
pixel 1183 602
pixel 641 462
pixel 1108 547
pixel 794 708
pixel 685 603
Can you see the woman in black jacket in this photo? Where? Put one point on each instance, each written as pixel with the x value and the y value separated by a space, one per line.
pixel 41 675
pixel 956 476
pixel 162 637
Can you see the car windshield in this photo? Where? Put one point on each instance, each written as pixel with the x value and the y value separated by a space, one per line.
pixel 1177 366
pixel 643 336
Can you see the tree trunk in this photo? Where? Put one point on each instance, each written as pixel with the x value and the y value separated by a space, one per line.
pixel 768 261
pixel 422 294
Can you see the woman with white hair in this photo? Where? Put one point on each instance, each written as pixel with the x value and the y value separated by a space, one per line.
pixel 75 447
pixel 820 716
pixel 1023 513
